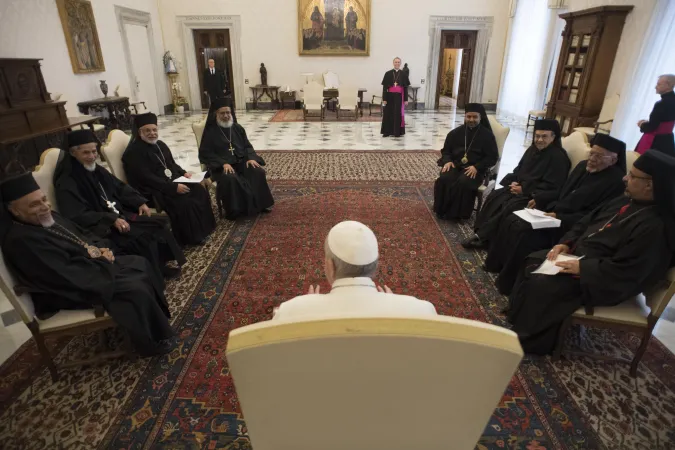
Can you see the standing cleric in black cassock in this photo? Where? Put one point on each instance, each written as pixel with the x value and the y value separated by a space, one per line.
pixel 469 152
pixel 109 208
pixel 150 169
pixel 542 170
pixel 394 98
pixel 66 268
pixel 658 130
pixel 627 245
pixel 241 188
pixel 591 184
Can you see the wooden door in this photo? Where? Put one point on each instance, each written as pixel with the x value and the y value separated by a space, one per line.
pixel 466 40
pixel 214 44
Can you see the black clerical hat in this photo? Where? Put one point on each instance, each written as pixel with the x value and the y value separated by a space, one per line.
pixel 662 169
pixel 547 125
pixel 80 137
pixel 218 103
pixel 17 187
pixel 613 145
pixel 480 109
pixel 142 120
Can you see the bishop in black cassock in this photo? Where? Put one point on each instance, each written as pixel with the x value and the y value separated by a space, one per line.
pixel 658 130
pixel 627 245
pixel 102 204
pixel 151 169
pixel 234 165
pixel 469 152
pixel 394 98
pixel 541 171
pixel 66 268
pixel 592 183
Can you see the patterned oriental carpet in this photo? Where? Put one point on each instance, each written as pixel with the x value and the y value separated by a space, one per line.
pixel 186 400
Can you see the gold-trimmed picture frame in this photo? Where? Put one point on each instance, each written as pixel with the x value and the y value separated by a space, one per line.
pixel 334 27
pixel 79 29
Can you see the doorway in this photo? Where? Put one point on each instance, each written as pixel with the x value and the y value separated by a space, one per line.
pixel 214 44
pixel 142 74
pixel 455 68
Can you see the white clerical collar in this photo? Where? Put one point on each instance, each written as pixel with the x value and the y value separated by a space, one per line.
pixel 354 282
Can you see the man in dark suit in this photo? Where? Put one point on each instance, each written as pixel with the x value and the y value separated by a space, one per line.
pixel 215 81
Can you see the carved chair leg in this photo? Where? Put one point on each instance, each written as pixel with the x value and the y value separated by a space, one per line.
pixel 479 198
pixel 42 348
pixel 643 346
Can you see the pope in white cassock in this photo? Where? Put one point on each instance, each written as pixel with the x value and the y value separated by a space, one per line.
pixel 351 262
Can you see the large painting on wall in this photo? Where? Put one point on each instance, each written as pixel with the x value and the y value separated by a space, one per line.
pixel 79 28
pixel 334 27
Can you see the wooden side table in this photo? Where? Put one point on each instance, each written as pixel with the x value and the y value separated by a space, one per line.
pixel 414 96
pixel 116 108
pixel 260 90
pixel 287 97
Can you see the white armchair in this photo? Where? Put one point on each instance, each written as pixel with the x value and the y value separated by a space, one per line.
pixel 501 134
pixel 348 100
pixel 577 147
pixel 331 80
pixel 345 380
pixel 44 174
pixel 606 118
pixel 313 100
pixel 113 150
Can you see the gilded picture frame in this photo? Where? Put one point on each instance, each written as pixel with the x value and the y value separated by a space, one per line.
pixel 334 27
pixel 79 29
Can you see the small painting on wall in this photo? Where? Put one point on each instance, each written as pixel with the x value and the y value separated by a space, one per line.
pixel 79 28
pixel 334 27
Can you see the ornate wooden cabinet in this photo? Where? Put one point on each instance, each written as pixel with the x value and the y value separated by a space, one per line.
pixel 590 41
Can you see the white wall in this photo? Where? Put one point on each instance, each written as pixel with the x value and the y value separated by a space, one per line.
pixel 634 31
pixel 32 29
pixel 270 35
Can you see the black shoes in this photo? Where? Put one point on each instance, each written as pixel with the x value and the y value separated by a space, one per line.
pixel 171 272
pixel 475 242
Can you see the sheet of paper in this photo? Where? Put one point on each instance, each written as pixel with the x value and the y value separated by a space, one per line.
pixel 196 178
pixel 549 268
pixel 537 221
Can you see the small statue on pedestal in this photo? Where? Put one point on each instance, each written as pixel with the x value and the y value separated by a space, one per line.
pixel 406 70
pixel 263 74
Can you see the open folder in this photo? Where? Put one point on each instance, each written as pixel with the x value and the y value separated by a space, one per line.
pixel 537 219
pixel 196 178
pixel 549 268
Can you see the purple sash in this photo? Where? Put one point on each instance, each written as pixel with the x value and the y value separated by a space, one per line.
pixel 647 139
pixel 399 90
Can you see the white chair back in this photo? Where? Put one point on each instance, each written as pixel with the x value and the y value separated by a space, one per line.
pixel 577 148
pixel 348 97
pixel 198 130
pixel 44 174
pixel 331 80
pixel 631 156
pixel 501 133
pixel 113 150
pixel 22 304
pixel 355 383
pixel 313 96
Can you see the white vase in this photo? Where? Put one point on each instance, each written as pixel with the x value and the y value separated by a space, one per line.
pixel 180 109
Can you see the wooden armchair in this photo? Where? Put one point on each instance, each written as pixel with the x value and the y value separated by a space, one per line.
pixel 637 315
pixel 501 134
pixel 605 119
pixel 376 101
pixel 313 100
pixel 348 100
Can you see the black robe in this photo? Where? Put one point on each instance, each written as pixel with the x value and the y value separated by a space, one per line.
pixel 391 118
pixel 80 199
pixel 663 112
pixel 454 192
pixel 246 192
pixel 539 172
pixel 61 276
pixel 631 254
pixel 191 214
pixel 582 193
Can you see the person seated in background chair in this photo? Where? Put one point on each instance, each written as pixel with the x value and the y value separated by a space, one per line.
pixel 94 199
pixel 542 170
pixel 470 150
pixel 66 268
pixel 627 246
pixel 234 165
pixel 151 169
pixel 350 264
pixel 592 183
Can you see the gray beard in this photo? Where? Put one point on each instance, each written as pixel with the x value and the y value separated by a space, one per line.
pixel 227 124
pixel 90 167
pixel 152 141
pixel 46 222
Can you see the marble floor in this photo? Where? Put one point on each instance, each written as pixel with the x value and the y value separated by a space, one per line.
pixel 425 130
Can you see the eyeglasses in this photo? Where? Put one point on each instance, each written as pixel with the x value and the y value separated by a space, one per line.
pixel 630 175
pixel 541 137
pixel 595 155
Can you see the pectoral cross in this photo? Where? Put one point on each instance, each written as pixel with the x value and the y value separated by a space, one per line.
pixel 111 206
pixel 231 149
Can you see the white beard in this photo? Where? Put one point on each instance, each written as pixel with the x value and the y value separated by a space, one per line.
pixel 90 167
pixel 227 124
pixel 152 141
pixel 46 222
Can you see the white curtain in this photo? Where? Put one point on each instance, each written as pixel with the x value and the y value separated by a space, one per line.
pixel 657 57
pixel 527 55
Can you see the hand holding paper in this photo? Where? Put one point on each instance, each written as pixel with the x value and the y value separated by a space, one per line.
pixel 551 267
pixel 194 178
